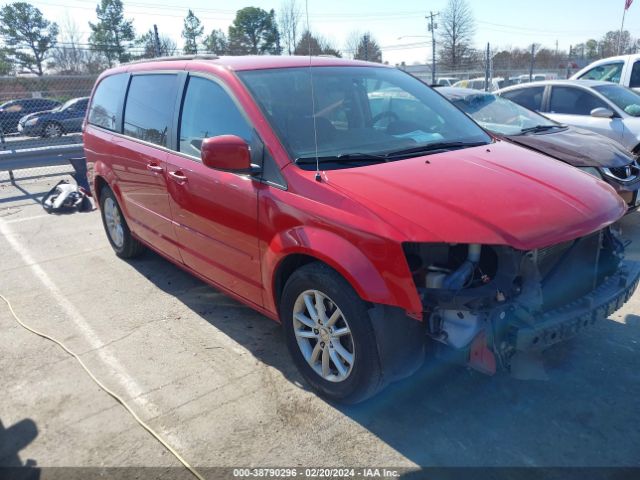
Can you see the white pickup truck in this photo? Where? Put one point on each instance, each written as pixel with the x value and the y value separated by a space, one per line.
pixel 624 69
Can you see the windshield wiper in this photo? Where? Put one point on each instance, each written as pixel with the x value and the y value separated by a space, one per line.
pixel 344 158
pixel 432 148
pixel 539 128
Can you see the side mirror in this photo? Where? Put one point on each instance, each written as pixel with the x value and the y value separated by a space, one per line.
pixel 602 112
pixel 227 152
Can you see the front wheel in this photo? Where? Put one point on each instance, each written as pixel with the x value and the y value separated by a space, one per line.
pixel 52 130
pixel 329 334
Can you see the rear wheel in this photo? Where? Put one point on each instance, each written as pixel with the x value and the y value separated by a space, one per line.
pixel 329 334
pixel 115 225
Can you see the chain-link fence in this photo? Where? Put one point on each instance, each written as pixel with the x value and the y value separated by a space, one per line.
pixel 40 124
pixel 503 77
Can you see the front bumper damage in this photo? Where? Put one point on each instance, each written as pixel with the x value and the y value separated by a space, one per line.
pixel 509 301
pixel 566 321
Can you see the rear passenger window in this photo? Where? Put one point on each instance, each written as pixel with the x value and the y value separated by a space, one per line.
pixel 634 81
pixel 573 101
pixel 208 111
pixel 530 97
pixel 149 109
pixel 107 100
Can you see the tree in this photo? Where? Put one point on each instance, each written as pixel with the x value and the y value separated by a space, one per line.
pixel 457 27
pixel 110 34
pixel 310 44
pixel 254 32
pixel 609 43
pixel 289 20
pixel 69 57
pixel 6 67
pixel 368 49
pixel 192 32
pixel 591 48
pixel 352 42
pixel 27 35
pixel 217 43
pixel 147 44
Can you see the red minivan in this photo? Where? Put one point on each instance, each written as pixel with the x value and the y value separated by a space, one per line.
pixel 373 229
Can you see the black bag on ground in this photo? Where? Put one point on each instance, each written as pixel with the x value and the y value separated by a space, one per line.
pixel 66 197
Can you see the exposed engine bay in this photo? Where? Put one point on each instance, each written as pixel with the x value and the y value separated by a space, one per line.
pixel 489 302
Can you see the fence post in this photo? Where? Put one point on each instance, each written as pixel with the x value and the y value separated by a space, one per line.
pixel 486 69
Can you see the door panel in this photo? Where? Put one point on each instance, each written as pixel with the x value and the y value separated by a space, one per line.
pixel 215 214
pixel 572 106
pixel 140 170
pixel 609 127
pixel 141 159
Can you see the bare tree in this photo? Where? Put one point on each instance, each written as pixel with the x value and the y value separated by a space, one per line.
pixel 289 21
pixel 457 28
pixel 352 42
pixel 70 56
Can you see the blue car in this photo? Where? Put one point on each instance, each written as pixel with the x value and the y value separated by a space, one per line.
pixel 54 123
pixel 13 110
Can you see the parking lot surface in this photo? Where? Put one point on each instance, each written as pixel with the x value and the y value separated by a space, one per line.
pixel 214 378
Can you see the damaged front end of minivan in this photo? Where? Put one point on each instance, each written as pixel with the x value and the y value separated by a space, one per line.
pixel 484 304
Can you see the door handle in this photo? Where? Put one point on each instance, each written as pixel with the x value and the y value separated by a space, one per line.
pixel 178 176
pixel 154 167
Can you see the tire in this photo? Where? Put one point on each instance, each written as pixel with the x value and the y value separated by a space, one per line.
pixel 363 378
pixel 52 130
pixel 116 228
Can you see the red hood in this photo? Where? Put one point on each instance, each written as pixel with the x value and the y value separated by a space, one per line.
pixel 499 194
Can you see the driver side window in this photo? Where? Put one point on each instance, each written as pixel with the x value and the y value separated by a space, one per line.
pixel 609 72
pixel 208 111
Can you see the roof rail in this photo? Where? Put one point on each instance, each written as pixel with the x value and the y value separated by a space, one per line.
pixel 176 58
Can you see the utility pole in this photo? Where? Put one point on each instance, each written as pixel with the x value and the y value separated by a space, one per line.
pixel 533 56
pixel 156 40
pixel 432 28
pixel 487 70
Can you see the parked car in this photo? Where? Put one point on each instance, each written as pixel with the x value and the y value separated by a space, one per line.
pixel 366 238
pixel 607 109
pixel 623 69
pixel 536 77
pixel 12 111
pixel 66 118
pixel 495 83
pixel 595 154
pixel 446 81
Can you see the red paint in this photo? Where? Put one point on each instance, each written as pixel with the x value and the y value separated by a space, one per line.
pixel 226 152
pixel 234 232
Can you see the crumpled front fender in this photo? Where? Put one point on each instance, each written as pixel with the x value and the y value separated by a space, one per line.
pixel 370 282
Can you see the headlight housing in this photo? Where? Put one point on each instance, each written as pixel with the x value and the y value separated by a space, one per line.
pixel 31 122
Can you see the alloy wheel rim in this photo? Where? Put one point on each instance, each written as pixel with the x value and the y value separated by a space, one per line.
pixel 323 336
pixel 113 219
pixel 52 130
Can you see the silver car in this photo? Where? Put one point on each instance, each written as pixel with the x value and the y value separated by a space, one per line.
pixel 603 107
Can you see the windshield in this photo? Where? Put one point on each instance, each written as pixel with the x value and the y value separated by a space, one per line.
pixel 500 115
pixel 358 110
pixel 624 98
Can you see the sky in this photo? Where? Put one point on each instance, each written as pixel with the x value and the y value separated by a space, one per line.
pixel 399 26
